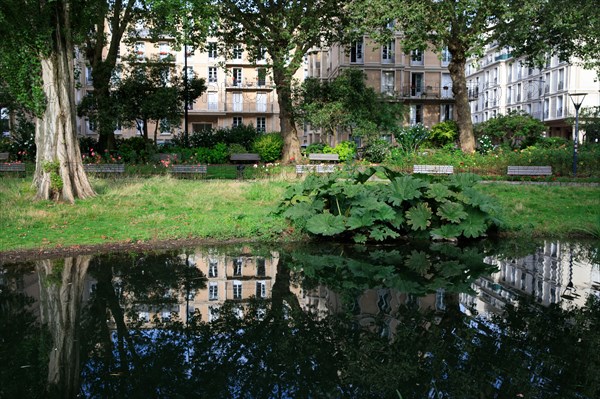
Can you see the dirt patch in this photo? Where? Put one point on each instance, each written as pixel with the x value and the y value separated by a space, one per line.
pixel 25 255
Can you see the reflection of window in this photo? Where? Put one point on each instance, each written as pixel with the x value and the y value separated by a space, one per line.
pixel 213 291
pixel 237 263
pixel 212 268
pixel 261 289
pixel 237 290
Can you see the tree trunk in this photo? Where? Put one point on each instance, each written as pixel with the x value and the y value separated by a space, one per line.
pixel 461 98
pixel 291 144
pixel 59 173
pixel 60 308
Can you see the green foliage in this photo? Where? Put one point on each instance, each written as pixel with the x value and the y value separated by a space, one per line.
pixel 56 181
pixel 516 130
pixel 443 133
pixel 345 149
pixel 268 146
pixel 218 154
pixel 376 151
pixel 136 150
pixel 244 135
pixel 315 148
pixel 22 139
pixel 352 208
pixel 410 138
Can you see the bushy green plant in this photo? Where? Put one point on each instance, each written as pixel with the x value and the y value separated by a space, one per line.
pixel 407 206
pixel 552 142
pixel 314 148
pixel 22 140
pixel 268 147
pixel 376 151
pixel 219 154
pixel 136 150
pixel 237 149
pixel 443 133
pixel 345 149
pixel 410 138
pixel 516 130
pixel 484 144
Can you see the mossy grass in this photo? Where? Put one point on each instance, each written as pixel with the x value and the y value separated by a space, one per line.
pixel 163 208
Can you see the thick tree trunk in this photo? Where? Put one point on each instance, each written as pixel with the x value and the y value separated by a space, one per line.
pixel 461 98
pixel 291 144
pixel 61 305
pixel 59 173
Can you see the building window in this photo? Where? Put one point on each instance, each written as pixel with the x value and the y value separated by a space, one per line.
pixel 237 52
pixel 261 102
pixel 201 127
pixel 213 102
pixel 237 77
pixel 260 267
pixel 446 57
pixel 213 268
pixel 212 50
pixel 261 124
pixel 356 52
pixel 237 121
pixel 237 263
pixel 261 289
pixel 140 50
pixel 416 114
pixel 559 106
pixel 237 289
pixel 261 77
pixel 164 49
pixel 238 102
pixel 387 52
pixel 165 126
pixel 213 291
pixel 416 57
pixel 387 82
pixel 561 79
pixel 88 75
pixel 416 84
pixel 446 113
pixel 212 74
pixel 91 124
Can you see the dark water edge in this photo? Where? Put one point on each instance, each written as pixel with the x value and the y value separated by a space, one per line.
pixel 493 319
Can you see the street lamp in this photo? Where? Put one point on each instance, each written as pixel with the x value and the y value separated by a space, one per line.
pixel 577 99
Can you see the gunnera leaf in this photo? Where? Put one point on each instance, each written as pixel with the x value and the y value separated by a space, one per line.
pixel 474 226
pixel 405 188
pixel 380 233
pixel 326 224
pixel 418 261
pixel 419 216
pixel 452 211
pixel 438 192
pixel 447 232
pixel 463 180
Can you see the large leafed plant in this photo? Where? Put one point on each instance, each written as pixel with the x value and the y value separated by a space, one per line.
pixel 399 206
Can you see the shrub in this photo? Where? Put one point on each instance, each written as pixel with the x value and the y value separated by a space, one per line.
pixel 410 138
pixel 314 148
pixel 217 155
pixel 237 149
pixel 345 149
pixel 443 133
pixel 268 146
pixel 516 130
pixel 136 150
pixel 22 140
pixel 377 151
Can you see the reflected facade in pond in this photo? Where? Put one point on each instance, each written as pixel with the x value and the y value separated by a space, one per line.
pixel 422 320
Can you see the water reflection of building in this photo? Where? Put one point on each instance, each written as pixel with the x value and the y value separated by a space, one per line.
pixel 229 278
pixel 555 273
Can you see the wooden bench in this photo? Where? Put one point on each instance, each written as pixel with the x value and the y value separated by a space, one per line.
pixel 104 168
pixel 18 168
pixel 241 158
pixel 324 157
pixel 300 169
pixel 3 156
pixel 529 171
pixel 200 170
pixel 434 169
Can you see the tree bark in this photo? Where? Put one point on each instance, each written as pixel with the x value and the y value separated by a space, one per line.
pixel 291 144
pixel 55 130
pixel 61 305
pixel 461 98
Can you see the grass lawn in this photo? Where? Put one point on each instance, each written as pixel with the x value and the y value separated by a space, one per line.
pixel 162 208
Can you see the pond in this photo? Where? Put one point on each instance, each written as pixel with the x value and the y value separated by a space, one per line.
pixel 492 319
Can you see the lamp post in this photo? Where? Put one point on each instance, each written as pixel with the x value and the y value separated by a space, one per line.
pixel 577 99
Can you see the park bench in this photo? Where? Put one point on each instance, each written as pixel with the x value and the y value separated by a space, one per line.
pixel 243 158
pixel 191 170
pixel 18 168
pixel 529 171
pixel 433 169
pixel 104 168
pixel 319 168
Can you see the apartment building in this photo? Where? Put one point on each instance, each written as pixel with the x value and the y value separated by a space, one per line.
pixel 499 83
pixel 418 79
pixel 238 91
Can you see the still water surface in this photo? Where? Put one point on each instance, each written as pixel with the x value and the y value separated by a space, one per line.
pixel 422 320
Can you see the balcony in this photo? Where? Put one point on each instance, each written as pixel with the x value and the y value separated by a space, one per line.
pixel 249 84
